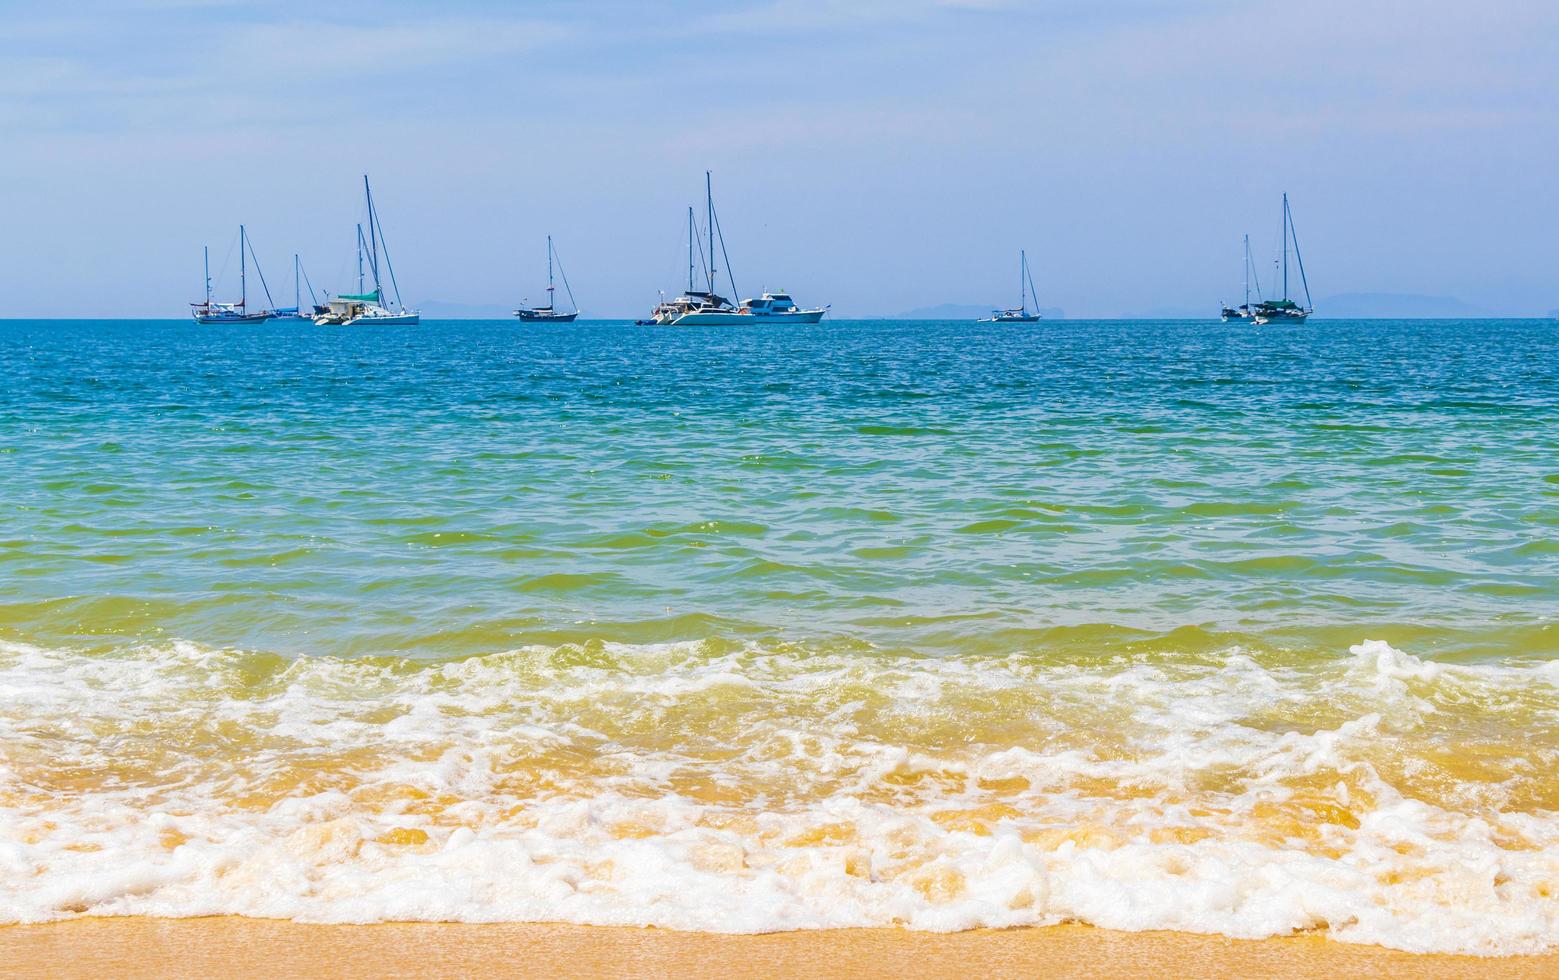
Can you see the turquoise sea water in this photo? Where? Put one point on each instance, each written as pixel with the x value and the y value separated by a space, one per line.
pixel 1146 624
pixel 940 486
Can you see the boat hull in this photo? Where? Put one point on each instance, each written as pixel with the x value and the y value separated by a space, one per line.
pixel 699 318
pixel 246 318
pixel 532 316
pixel 392 320
pixel 1032 318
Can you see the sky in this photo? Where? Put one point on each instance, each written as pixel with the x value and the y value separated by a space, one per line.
pixel 875 155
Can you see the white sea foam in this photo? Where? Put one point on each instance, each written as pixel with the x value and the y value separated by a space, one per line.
pixel 1376 797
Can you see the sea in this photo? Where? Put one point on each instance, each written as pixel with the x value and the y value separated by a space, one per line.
pixel 1147 625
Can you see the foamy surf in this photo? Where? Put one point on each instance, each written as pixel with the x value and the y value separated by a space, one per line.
pixel 1373 797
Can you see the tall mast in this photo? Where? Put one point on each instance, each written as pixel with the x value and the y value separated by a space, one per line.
pixel 1285 246
pixel 1299 258
pixel 359 260
pixel 297 291
pixel 1247 270
pixel 243 287
pixel 1023 268
pixel 550 304
pixel 373 232
pixel 1028 277
pixel 206 251
pixel 690 248
pixel 709 199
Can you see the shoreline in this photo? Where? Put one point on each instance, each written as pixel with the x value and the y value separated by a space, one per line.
pixel 237 946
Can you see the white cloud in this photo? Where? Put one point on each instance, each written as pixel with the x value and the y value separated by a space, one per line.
pixel 99 73
pixel 326 48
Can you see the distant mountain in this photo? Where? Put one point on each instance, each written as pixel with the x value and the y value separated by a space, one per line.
pixel 435 309
pixel 959 311
pixel 1407 305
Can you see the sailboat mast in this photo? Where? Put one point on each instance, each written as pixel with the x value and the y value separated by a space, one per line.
pixel 709 200
pixel 373 232
pixel 550 304
pixel 243 268
pixel 1299 258
pixel 1247 270
pixel 359 260
pixel 206 252
pixel 1023 270
pixel 690 248
pixel 1285 247
pixel 297 291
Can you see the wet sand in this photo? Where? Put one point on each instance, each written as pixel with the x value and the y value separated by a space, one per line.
pixel 238 947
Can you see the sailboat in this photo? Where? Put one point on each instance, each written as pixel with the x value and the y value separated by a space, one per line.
pixel 704 307
pixel 209 312
pixel 1244 311
pixel 1286 310
pixel 296 311
pixel 369 308
pixel 1025 289
pixel 549 313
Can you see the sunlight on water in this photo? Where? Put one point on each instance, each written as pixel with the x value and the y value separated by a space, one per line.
pixel 1142 625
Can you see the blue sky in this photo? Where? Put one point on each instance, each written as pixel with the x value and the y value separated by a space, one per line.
pixel 875 155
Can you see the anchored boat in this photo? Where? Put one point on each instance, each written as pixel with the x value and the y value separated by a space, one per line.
pixel 1243 312
pixel 209 312
pixel 550 312
pixel 779 306
pixel 369 307
pixel 296 310
pixel 1025 289
pixel 1286 310
pixel 705 307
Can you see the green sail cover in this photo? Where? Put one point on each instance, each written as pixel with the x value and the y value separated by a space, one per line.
pixel 372 297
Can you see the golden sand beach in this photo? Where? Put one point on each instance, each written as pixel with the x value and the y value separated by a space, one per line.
pixel 240 947
pixel 1133 626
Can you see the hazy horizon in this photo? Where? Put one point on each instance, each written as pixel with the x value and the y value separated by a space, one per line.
pixel 879 157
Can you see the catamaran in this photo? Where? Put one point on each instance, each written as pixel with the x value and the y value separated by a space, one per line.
pixel 1286 310
pixel 1243 312
pixel 705 301
pixel 1025 289
pixel 705 307
pixel 369 308
pixel 296 310
pixel 209 312
pixel 550 312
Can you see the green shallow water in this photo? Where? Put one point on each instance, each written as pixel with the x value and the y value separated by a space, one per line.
pixel 943 626
pixel 944 488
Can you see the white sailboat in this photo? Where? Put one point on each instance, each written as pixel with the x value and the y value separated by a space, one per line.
pixel 370 308
pixel 704 307
pixel 1243 312
pixel 1021 313
pixel 211 313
